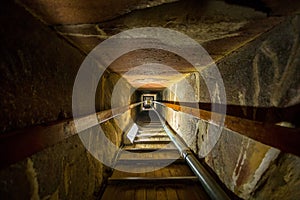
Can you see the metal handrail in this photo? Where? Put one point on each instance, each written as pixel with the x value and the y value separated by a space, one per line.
pixel 209 184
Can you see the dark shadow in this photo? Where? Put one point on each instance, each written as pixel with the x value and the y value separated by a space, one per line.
pixel 255 4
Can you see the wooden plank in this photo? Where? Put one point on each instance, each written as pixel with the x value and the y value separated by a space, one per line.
pixel 112 192
pixel 160 140
pixel 152 130
pixel 161 193
pixel 191 192
pixel 171 193
pixel 182 194
pixel 159 180
pixel 151 194
pixel 150 135
pixel 173 170
pixel 129 193
pixel 150 161
pixel 140 194
pixel 283 138
pixel 180 170
pixel 262 114
pixel 123 155
pixel 140 150
pixel 198 192
pixel 157 190
pixel 18 145
pixel 151 146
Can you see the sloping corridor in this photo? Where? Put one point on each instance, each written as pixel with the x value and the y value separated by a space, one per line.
pixel 152 149
pixel 149 99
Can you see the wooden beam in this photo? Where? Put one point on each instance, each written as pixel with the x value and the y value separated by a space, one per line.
pixel 283 138
pixel 18 145
pixel 262 114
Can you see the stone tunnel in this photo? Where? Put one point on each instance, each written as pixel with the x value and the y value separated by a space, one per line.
pixel 222 74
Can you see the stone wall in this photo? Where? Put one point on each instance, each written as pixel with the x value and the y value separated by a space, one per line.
pixel 262 73
pixel 281 180
pixel 75 168
pixel 38 69
pixel 114 91
pixel 63 171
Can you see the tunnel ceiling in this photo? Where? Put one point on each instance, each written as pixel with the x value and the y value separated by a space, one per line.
pixel 151 68
pixel 219 26
pixel 84 12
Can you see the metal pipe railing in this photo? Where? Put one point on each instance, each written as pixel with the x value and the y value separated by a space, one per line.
pixel 209 184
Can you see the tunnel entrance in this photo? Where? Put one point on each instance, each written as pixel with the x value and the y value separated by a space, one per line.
pixel 147 100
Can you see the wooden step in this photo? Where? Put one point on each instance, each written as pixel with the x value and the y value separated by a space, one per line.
pixel 173 170
pixel 151 130
pixel 150 146
pixel 154 134
pixel 123 155
pixel 148 161
pixel 148 150
pixel 152 141
pixel 191 190
pixel 152 169
pixel 140 179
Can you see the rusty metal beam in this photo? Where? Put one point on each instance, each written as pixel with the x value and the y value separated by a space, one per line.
pixel 283 138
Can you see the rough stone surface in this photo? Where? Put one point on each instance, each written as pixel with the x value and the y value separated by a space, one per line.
pixel 37 78
pixel 219 27
pixel 238 161
pixel 89 11
pixel 247 162
pixel 55 173
pixel 263 73
pixel 207 22
pixel 113 91
pixel 58 172
pixel 266 71
pixel 202 21
pixel 37 70
pixel 281 181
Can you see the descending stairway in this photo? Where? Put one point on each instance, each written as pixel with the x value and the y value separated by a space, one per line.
pixel 150 150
